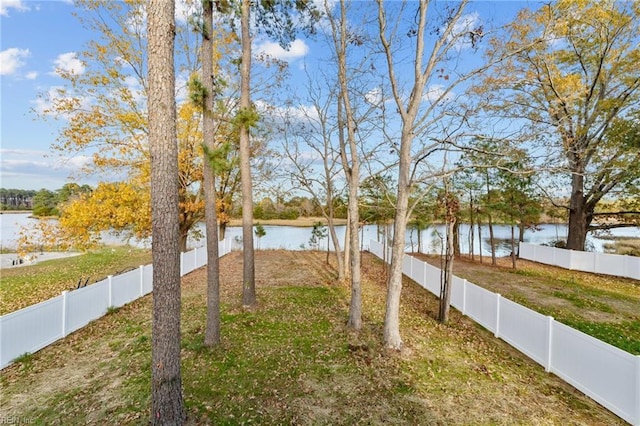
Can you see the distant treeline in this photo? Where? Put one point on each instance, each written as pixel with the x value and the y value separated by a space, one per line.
pixel 43 202
pixel 17 199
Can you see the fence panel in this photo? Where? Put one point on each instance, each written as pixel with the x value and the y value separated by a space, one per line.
pixel 527 251
pixel 406 265
pixel 603 372
pixel 583 261
pixel 458 293
pixel 417 271
pixel 147 277
pixel 600 263
pixel 376 248
pixel 30 329
pixel 632 267
pixel 609 264
pixel 544 255
pixel 432 279
pixel 125 288
pixel 201 255
pixel 562 258
pixel 524 329
pixel 86 304
pixel 481 305
pixel 188 262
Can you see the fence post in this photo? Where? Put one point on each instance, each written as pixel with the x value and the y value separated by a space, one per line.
pixel 181 263
pixel 464 297
pixel 424 274
pixel 497 333
pixel 109 279
pixel 141 269
pixel 547 366
pixel 64 313
pixel 637 422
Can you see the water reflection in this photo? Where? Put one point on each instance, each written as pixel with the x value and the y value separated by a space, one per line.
pixel 298 238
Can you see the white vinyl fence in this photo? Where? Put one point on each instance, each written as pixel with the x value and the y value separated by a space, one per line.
pixel 34 327
pixel 599 263
pixel 605 373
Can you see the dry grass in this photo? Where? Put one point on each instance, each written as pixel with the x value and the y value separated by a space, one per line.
pixel 292 361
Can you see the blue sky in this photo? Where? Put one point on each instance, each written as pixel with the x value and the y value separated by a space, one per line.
pixel 36 38
pixel 39 36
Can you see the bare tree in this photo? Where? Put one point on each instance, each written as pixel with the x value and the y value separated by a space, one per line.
pixel 167 406
pixel 419 114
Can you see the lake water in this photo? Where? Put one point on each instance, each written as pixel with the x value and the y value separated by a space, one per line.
pixel 297 238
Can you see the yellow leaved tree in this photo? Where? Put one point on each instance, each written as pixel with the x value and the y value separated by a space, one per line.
pixel 103 106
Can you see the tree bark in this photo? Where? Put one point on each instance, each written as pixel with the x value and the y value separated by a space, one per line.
pixel 167 405
pixel 577 229
pixel 212 331
pixel 447 274
pixel 249 271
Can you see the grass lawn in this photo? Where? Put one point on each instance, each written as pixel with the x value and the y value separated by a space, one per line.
pixel 604 307
pixel 291 360
pixel 27 285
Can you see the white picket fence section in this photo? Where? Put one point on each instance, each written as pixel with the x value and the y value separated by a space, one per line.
pixel 32 328
pixel 608 375
pixel 599 263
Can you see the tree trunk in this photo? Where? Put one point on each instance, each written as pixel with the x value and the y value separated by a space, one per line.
pixel 480 239
pixel 392 339
pixel 248 276
pixel 355 306
pixel 456 239
pixel 471 227
pixel 513 246
pixel 336 245
pixel 577 228
pixel 347 249
pixel 222 231
pixel 212 332
pixel 167 405
pixel 492 241
pixel 447 274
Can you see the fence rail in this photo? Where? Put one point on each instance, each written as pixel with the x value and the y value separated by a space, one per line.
pixel 607 374
pixel 30 329
pixel 599 263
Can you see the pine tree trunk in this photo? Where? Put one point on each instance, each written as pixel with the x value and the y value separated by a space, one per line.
pixel 167 405
pixel 249 271
pixel 212 331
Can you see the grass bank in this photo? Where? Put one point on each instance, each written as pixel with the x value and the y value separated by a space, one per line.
pixel 605 307
pixel 291 360
pixel 31 284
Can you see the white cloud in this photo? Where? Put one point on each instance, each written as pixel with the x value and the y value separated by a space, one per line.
pixel 434 92
pixel 45 103
pixel 462 27
pixel 68 62
pixel 34 169
pixel 31 75
pixel 18 5
pixel 297 49
pixel 374 96
pixel 11 59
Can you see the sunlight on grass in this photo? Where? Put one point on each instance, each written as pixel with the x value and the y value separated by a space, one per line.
pixel 27 285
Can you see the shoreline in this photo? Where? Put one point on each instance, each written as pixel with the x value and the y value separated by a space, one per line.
pixel 7 259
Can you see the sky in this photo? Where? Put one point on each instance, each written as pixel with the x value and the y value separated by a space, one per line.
pixel 38 37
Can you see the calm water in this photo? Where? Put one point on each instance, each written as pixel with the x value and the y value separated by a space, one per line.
pixel 297 238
